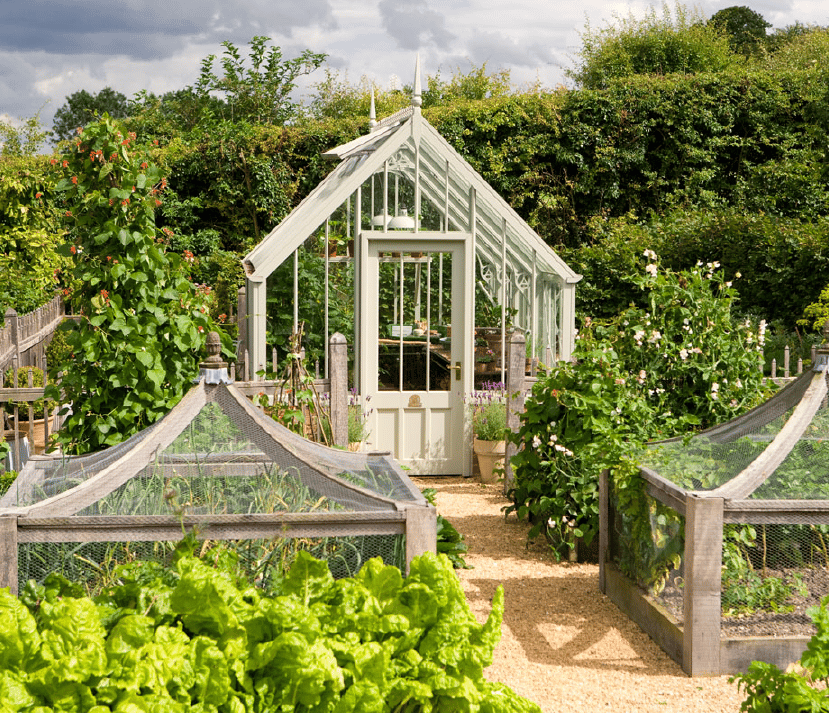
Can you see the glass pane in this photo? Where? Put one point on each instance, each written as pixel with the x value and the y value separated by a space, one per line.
pixel 413 339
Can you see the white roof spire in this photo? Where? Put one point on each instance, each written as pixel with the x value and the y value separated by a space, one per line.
pixel 417 98
pixel 372 112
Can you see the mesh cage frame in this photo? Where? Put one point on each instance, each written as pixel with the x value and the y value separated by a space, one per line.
pixel 348 497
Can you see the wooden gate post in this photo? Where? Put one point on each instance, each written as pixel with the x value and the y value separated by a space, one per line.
pixel 421 531
pixel 8 552
pixel 242 332
pixel 338 370
pixel 703 578
pixel 517 357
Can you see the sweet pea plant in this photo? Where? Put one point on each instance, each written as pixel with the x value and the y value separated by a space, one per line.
pixel 680 363
pixel 136 349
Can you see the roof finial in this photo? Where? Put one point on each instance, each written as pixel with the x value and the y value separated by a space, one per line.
pixel 372 112
pixel 417 99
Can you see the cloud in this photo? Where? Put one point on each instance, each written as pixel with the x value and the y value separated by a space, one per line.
pixel 497 49
pixel 413 24
pixel 147 29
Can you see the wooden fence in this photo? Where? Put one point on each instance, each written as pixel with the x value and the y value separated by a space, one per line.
pixel 25 336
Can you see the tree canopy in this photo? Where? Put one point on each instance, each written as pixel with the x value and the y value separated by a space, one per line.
pixel 745 28
pixel 82 107
pixel 673 42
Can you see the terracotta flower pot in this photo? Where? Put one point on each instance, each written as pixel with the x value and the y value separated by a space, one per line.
pixel 490 454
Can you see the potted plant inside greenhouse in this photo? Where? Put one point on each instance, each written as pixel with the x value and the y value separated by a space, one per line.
pixel 489 427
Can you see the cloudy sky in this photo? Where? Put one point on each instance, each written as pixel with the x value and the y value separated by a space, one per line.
pixel 52 48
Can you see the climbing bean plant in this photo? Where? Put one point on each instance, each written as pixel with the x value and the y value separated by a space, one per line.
pixel 135 350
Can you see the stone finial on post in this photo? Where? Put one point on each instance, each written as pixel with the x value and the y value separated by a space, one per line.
pixel 214 369
pixel 338 389
pixel 516 360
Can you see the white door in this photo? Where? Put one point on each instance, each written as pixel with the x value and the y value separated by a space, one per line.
pixel 416 348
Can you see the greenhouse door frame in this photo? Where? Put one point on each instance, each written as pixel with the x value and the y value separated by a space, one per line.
pixel 425 429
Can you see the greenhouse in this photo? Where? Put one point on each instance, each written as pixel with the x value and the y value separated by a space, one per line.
pixel 433 268
pixel 738 543
pixel 215 467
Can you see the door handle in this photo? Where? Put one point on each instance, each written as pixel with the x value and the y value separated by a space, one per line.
pixel 456 369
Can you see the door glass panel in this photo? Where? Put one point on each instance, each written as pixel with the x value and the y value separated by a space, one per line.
pixel 414 340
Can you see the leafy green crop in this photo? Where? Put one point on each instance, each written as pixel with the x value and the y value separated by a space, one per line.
pixel 770 690
pixel 200 637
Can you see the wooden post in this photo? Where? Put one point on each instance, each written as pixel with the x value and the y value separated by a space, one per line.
pixel 8 552
pixel 774 368
pixel 242 329
pixel 786 357
pixel 338 360
pixel 13 322
pixel 703 579
pixel 421 531
pixel 604 527
pixel 515 397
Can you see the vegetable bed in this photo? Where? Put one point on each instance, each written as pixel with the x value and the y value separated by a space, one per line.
pixel 199 637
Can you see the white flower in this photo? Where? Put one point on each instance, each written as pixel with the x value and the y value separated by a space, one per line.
pixel 650 254
pixel 683 354
pixel 656 335
pixel 738 275
pixel 638 336
pixel 651 269
pixel 642 375
pixel 715 388
pixel 728 284
pixel 562 449
pixel 553 439
pixel 619 381
pixel 536 441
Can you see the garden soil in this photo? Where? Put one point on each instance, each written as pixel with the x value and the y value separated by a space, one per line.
pixel 564 644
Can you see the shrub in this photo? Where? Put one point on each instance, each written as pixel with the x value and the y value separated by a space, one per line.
pixel 676 363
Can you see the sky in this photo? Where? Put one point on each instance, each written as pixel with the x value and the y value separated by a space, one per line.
pixel 50 49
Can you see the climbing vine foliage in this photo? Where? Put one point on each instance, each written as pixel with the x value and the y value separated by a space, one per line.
pixel 135 349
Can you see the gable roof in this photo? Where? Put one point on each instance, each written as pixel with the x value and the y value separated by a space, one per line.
pixel 408 131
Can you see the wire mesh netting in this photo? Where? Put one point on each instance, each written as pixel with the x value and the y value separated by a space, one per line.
pixel 654 559
pixel 716 456
pixel 213 456
pixel 93 565
pixel 770 467
pixel 771 575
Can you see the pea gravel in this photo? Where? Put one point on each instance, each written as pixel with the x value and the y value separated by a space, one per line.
pixel 564 645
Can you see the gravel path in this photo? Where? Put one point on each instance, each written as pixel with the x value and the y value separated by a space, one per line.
pixel 564 644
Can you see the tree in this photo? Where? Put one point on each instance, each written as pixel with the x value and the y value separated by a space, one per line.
pixel 83 107
pixel 745 28
pixel 674 43
pixel 23 140
pixel 259 94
